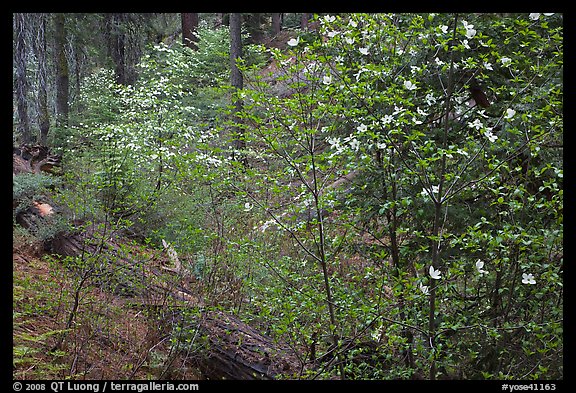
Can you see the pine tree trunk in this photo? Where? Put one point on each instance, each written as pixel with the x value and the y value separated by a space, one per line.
pixel 118 47
pixel 235 49
pixel 62 77
pixel 236 79
pixel 236 351
pixel 43 115
pixel 21 79
pixel 304 21
pixel 189 28
pixel 276 23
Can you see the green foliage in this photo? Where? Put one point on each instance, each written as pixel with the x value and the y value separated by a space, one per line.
pixel 381 217
pixel 32 299
pixel 30 188
pixel 26 186
pixel 373 95
pixel 132 139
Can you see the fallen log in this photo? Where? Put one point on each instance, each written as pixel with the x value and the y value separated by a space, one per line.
pixel 34 159
pixel 237 351
pixel 234 350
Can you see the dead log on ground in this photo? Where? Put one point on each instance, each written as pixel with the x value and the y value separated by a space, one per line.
pixel 34 159
pixel 237 351
pixel 234 350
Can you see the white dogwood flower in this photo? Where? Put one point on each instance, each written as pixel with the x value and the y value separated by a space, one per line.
pixel 477 124
pixel 506 61
pixel 470 31
pixel 409 85
pixel 329 18
pixel 294 41
pixel 534 16
pixel 479 266
pixel 510 113
pixel 424 289
pixel 528 278
pixel 435 274
pixel 491 137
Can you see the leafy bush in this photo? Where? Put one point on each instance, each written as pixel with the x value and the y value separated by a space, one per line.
pixel 449 194
pixel 442 258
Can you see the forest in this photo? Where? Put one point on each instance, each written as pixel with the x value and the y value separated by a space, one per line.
pixel 287 196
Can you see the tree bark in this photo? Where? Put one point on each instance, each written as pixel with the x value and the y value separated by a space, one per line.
pixel 276 23
pixel 236 50
pixel 253 23
pixel 223 19
pixel 236 80
pixel 79 55
pixel 118 47
pixel 237 351
pixel 304 21
pixel 34 159
pixel 189 29
pixel 62 76
pixel 43 115
pixel 21 79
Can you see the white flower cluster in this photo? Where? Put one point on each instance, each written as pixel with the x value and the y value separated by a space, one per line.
pixel 478 125
pixel 213 161
pixel 335 144
pixel 425 193
pixel 536 16
pixel 470 31
pixel 436 274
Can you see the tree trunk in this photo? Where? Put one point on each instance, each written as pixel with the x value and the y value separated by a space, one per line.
pixel 223 19
pixel 43 116
pixel 253 23
pixel 21 79
pixel 34 159
pixel 276 23
pixel 236 80
pixel 235 49
pixel 62 77
pixel 79 56
pixel 189 29
pixel 304 21
pixel 118 47
pixel 435 244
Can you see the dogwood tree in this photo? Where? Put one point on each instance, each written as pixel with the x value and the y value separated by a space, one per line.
pixel 454 123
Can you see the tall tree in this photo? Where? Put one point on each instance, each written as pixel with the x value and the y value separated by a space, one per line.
pixel 40 48
pixel 189 28
pixel 117 46
pixel 253 23
pixel 236 79
pixel 276 22
pixel 62 76
pixel 21 79
pixel 223 19
pixel 304 21
pixel 79 48
pixel 126 33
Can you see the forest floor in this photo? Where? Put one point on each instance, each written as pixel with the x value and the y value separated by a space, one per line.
pixel 107 337
pixel 90 303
